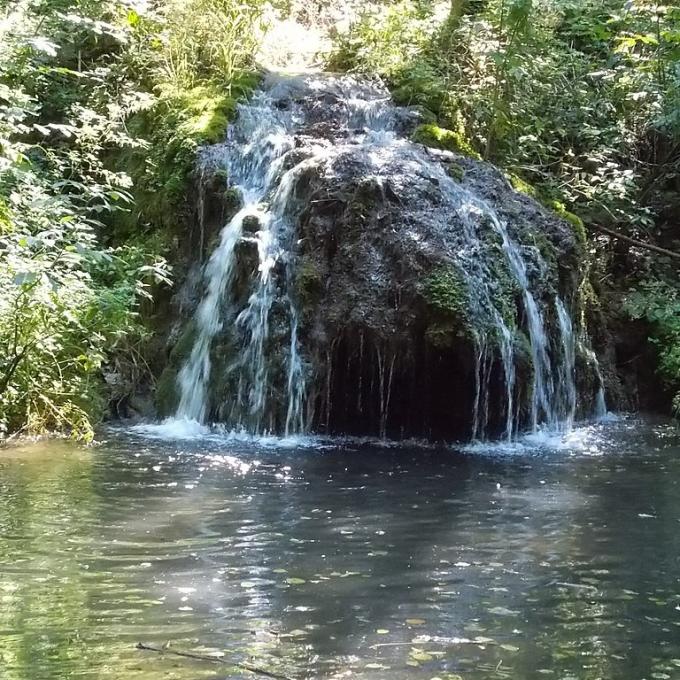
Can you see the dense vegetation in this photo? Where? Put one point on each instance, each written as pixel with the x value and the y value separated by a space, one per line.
pixel 104 104
pixel 101 111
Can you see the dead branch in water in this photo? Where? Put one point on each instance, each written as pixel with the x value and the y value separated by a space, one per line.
pixel 214 659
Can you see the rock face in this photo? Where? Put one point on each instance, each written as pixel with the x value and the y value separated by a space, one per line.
pixel 374 285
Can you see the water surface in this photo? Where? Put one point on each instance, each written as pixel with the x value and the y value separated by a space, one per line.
pixel 343 560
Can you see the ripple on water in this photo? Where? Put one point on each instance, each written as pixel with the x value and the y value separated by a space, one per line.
pixel 397 562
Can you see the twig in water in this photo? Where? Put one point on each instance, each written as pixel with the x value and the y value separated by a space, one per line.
pixel 214 659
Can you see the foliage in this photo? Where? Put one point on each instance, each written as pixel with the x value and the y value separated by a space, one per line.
pixel 580 97
pixel 101 106
pixel 208 40
pixel 659 303
pixel 383 39
pixel 173 128
pixel 193 81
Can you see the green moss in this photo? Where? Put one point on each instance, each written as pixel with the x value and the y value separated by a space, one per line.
pixel 432 135
pixel 201 114
pixel 576 222
pixel 505 289
pixel 166 396
pixel 446 291
pixel 523 187
pixel 456 171
pixel 520 185
pixel 308 282
pixel 174 129
pixel 545 247
pixel 447 298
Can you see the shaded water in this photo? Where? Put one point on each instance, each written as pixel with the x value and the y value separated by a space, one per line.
pixel 317 560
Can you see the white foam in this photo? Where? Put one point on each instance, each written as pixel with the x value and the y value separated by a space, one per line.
pixel 172 428
pixel 586 439
pixel 183 429
pixel 608 417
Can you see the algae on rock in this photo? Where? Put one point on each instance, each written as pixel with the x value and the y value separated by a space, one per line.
pixel 430 134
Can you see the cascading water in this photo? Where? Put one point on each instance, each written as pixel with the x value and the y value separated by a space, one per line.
pixel 600 409
pixel 253 159
pixel 567 367
pixel 195 374
pixel 261 144
pixel 286 135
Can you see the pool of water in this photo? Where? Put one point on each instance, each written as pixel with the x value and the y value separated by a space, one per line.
pixel 317 559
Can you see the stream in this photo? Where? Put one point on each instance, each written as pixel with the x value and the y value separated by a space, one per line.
pixel 316 558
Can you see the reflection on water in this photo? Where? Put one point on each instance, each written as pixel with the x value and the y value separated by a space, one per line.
pixel 343 561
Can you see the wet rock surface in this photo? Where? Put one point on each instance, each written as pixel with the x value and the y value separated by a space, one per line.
pixel 403 275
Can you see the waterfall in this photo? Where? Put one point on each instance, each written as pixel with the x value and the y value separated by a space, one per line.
pixel 567 367
pixel 256 160
pixel 542 386
pixel 600 405
pixel 507 354
pixel 318 126
pixel 194 376
pixel 253 160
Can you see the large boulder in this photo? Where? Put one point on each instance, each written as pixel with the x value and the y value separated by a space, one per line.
pixel 421 282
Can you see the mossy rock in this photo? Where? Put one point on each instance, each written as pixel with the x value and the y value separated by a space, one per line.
pixel 524 364
pixel 175 127
pixel 308 282
pixel 446 295
pixel 201 113
pixel 445 290
pixel 166 396
pixel 456 171
pixel 574 220
pixel 426 115
pixel 408 95
pixel 216 183
pixel 412 87
pixel 506 289
pixel 251 224
pixel 222 355
pixel 437 137
pixel 546 248
pixel 444 335
pixel 523 187
pixel 232 199
pixel 520 185
pixel 182 348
